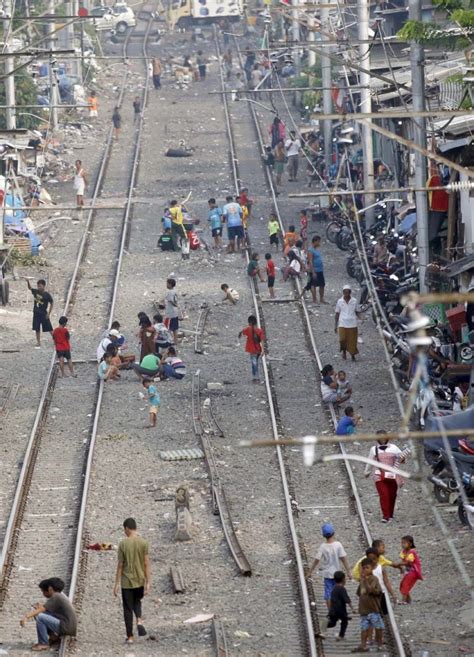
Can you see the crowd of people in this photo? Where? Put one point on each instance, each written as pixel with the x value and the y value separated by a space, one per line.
pixel 370 572
pixel 157 339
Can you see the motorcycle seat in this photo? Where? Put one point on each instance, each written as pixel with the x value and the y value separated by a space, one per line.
pixel 463 458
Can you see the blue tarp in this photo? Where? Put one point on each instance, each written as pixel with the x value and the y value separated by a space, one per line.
pixel 408 223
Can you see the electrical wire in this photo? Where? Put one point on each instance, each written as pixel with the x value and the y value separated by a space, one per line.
pixel 427 493
pixel 392 73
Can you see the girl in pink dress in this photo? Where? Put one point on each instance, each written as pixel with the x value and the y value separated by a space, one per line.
pixel 412 564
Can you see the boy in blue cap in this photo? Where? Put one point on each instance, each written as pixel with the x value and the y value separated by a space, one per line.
pixel 330 554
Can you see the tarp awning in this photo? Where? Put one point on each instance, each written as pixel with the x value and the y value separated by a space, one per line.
pixel 460 266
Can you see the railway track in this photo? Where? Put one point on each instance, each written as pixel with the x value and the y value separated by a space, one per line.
pixel 285 396
pixel 44 529
pixel 310 626
pixel 203 430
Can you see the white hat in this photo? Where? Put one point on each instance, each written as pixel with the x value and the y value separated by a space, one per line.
pixel 346 287
pixel 115 333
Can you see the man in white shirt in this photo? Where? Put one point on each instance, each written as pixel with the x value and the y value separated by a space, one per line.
pixel 346 323
pixel 292 146
pixel 112 337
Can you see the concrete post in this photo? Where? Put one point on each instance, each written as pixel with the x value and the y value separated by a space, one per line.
pixel 9 66
pixel 417 61
pixel 366 106
pixel 327 84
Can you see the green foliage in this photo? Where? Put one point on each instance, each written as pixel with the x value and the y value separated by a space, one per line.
pixel 310 99
pixel 25 94
pixel 301 80
pixel 18 258
pixel 464 17
pixel 432 34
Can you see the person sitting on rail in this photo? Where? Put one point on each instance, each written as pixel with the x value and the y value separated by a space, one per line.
pixel 329 387
pixel 347 424
pixel 55 618
pixel 343 384
pixel 107 370
pixel 115 338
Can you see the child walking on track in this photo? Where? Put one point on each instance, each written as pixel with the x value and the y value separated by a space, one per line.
pixel 63 346
pixel 154 399
pixel 254 345
pixel 411 562
pixel 338 607
pixel 270 268
pixel 330 555
pixel 171 309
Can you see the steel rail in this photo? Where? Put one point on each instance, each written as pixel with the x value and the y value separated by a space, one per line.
pixel 220 505
pixel 309 332
pixel 220 639
pixel 218 429
pixel 200 325
pixel 78 553
pixel 28 459
pixel 22 490
pixel 310 632
pixel 342 447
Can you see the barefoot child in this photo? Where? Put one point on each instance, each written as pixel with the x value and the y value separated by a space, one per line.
pixel 370 606
pixel 274 231
pixel 154 399
pixel 254 345
pixel 231 295
pixel 63 346
pixel 108 371
pixel 412 564
pixel 338 606
pixel 253 270
pixel 270 268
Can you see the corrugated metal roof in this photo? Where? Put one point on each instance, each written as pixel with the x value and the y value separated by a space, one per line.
pixel 459 125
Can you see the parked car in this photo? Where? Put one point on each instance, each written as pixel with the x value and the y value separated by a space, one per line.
pixel 120 17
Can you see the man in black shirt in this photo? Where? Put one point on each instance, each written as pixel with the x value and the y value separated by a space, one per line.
pixel 41 311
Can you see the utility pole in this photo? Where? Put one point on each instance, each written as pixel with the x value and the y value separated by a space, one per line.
pixel 327 84
pixel 366 106
pixel 9 67
pixel 417 61
pixel 53 82
pixel 71 10
pixel 295 37
pixel 311 39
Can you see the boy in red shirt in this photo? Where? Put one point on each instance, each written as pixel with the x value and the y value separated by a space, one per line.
pixel 270 275
pixel 63 346
pixel 254 345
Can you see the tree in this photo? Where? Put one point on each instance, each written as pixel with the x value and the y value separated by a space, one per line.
pixel 25 94
pixel 457 34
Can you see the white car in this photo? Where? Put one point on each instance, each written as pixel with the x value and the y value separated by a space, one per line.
pixel 119 18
